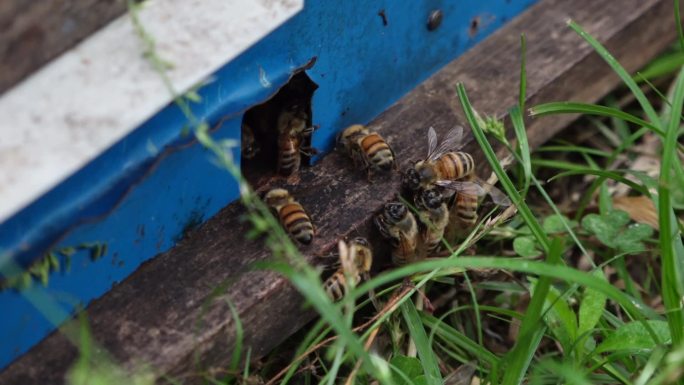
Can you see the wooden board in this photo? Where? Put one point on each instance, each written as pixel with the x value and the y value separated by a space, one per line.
pixel 167 314
pixel 35 32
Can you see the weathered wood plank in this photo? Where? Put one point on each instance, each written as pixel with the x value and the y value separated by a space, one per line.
pixel 35 32
pixel 153 316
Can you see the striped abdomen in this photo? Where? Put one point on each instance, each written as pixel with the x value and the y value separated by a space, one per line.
pixel 455 165
pixel 465 208
pixel 377 153
pixel 405 250
pixel 289 158
pixel 297 222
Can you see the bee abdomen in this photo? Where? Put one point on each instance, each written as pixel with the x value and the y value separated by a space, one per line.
pixel 377 151
pixel 289 158
pixel 456 165
pixel 297 222
pixel 466 208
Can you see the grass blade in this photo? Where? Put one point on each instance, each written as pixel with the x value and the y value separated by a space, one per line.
pixel 523 147
pixel 425 351
pixel 457 339
pixel 520 356
pixel 591 109
pixel 669 233
pixel 509 187
pixel 621 72
pixel 678 23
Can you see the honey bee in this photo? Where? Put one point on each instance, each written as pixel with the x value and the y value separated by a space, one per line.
pixel 451 169
pixel 367 149
pixel 249 147
pixel 442 163
pixel 398 224
pixel 294 137
pixel 356 260
pixel 291 215
pixel 465 206
pixel 434 214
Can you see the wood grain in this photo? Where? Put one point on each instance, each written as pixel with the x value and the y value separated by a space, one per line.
pixel 168 313
pixel 35 32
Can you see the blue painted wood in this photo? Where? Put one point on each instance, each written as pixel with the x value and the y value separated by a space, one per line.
pixel 139 196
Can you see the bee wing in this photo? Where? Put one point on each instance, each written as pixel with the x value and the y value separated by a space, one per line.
pixel 432 142
pixel 498 197
pixel 451 142
pixel 477 188
pixel 464 187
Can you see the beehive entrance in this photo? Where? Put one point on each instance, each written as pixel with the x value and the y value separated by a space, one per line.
pixel 260 127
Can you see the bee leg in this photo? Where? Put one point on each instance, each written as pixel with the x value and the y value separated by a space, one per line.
pixel 369 175
pixel 308 151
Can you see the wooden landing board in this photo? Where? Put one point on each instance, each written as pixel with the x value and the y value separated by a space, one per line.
pixel 35 32
pixel 166 313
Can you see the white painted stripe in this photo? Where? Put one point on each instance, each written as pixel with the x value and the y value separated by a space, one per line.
pixel 81 103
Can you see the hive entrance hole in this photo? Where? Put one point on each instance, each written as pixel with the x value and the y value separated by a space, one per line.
pixel 261 122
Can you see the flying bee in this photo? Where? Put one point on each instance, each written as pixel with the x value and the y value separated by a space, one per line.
pixel 446 167
pixel 367 149
pixel 356 260
pixel 291 215
pixel 398 224
pixel 434 214
pixel 249 147
pixel 294 139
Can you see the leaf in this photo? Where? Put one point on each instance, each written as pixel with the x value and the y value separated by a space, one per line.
pixel 193 96
pixel 559 318
pixel 67 251
pixel 591 307
pixel 54 261
pixel 630 239
pixel 606 228
pixel 604 231
pixel 633 337
pixel 409 366
pixel 640 208
pixel 526 247
pixel 554 223
pixel 590 312
pixel 618 218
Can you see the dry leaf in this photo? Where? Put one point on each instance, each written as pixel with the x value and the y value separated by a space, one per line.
pixel 641 209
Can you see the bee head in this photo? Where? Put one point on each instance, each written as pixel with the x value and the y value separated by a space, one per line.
pixel 411 179
pixel 430 199
pixel 395 211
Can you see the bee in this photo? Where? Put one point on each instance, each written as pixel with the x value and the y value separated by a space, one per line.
pixel 249 147
pixel 398 224
pixel 356 260
pixel 451 169
pixel 367 149
pixel 291 215
pixel 434 214
pixel 294 138
pixel 465 206
pixel 442 163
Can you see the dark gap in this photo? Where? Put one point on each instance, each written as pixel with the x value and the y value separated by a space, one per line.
pixel 259 157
